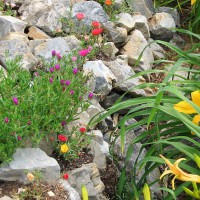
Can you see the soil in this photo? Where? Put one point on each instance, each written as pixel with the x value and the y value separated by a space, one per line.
pixel 109 176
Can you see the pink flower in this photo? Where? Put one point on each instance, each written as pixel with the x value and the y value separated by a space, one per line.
pixel 63 123
pixel 53 53
pixel 58 55
pixel 36 74
pixel 90 95
pixel 51 69
pixel 97 31
pixel 29 122
pixel 89 48
pixel 82 129
pixel 51 80
pixel 57 67
pixel 74 58
pixel 15 100
pixel 6 120
pixel 19 137
pixel 75 71
pixel 67 82
pixel 80 16
pixel 96 24
pixel 71 92
pixel 62 82
pixel 86 37
pixel 83 52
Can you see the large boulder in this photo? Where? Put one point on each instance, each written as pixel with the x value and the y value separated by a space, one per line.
pixel 18 48
pixel 30 159
pixel 134 47
pixel 161 25
pixel 44 14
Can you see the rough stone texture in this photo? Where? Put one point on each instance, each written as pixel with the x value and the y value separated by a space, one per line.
pixel 125 20
pixel 36 33
pixel 145 7
pixel 44 14
pixel 73 194
pixel 118 3
pixel 18 48
pixel 141 24
pixel 30 159
pixel 117 35
pixel 172 11
pixel 122 72
pixel 109 49
pixel 157 50
pixel 178 41
pixel 133 49
pixel 59 44
pixel 11 24
pixel 89 176
pixel 93 12
pixel 160 25
pixel 103 76
pixel 5 198
pixel 17 36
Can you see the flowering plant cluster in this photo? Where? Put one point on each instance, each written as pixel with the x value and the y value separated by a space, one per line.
pixel 39 105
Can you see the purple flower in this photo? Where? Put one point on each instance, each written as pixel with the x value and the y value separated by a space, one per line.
pixel 51 80
pixel 83 52
pixel 67 82
pixel 6 120
pixel 80 98
pixel 62 82
pixel 57 67
pixel 15 100
pixel 51 69
pixel 53 53
pixel 58 55
pixel 71 92
pixel 63 123
pixel 75 71
pixel 19 137
pixel 90 95
pixel 74 58
pixel 29 122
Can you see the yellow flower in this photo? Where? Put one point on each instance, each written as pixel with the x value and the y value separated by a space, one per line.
pixel 185 107
pixel 30 177
pixel 64 148
pixel 193 2
pixel 178 173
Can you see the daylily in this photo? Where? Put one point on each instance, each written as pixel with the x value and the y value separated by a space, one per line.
pixel 178 173
pixel 193 2
pixel 185 107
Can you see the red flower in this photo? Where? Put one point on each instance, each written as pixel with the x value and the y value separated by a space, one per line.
pixel 108 2
pixel 80 16
pixel 62 138
pixel 66 176
pixel 96 24
pixel 97 31
pixel 82 129
pixel 51 138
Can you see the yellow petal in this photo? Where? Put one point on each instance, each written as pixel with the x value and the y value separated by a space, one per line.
pixel 196 97
pixel 173 187
pixel 84 192
pixel 146 192
pixel 193 2
pixel 165 173
pixel 64 148
pixel 184 107
pixel 196 119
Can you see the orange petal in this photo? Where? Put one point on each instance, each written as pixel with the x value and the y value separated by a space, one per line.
pixel 196 97
pixel 184 107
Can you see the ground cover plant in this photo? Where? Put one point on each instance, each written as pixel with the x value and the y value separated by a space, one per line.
pixel 171 118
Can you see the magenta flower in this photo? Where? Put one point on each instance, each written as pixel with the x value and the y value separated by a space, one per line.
pixel 51 69
pixel 75 71
pixel 74 58
pixel 63 123
pixel 53 53
pixel 90 95
pixel 15 100
pixel 29 122
pixel 6 120
pixel 62 82
pixel 67 82
pixel 83 52
pixel 71 92
pixel 19 137
pixel 51 80
pixel 57 67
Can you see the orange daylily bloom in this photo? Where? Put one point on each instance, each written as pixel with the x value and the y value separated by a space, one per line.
pixel 185 107
pixel 178 173
pixel 108 2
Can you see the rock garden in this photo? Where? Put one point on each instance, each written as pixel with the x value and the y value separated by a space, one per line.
pixel 99 100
